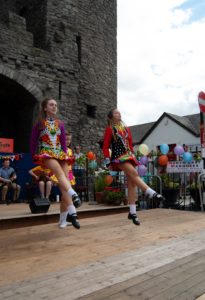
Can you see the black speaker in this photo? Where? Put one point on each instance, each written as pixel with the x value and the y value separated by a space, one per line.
pixel 39 205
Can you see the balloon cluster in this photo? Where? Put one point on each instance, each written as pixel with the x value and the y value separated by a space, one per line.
pixel 92 160
pixel 187 156
pixel 178 150
pixel 93 165
pixel 163 159
pixel 90 155
pixel 108 179
pixel 143 149
pixel 142 167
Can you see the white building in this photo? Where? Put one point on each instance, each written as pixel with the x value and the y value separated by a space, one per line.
pixel 169 129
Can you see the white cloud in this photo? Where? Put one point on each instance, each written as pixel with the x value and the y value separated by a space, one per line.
pixel 161 63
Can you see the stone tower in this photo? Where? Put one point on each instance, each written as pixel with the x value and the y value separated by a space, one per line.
pixel 65 49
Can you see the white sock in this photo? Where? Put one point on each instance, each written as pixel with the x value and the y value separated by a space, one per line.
pixel 63 216
pixel 149 192
pixel 71 209
pixel 133 209
pixel 71 192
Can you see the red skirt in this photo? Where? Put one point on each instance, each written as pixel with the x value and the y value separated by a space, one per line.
pixel 127 157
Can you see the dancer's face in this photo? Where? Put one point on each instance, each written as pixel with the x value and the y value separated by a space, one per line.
pixel 68 140
pixel 51 108
pixel 116 117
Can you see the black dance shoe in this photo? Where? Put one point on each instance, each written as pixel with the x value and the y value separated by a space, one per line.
pixel 74 220
pixel 134 218
pixel 76 201
pixel 158 197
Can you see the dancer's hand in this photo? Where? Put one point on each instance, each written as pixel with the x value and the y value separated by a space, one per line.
pixel 106 162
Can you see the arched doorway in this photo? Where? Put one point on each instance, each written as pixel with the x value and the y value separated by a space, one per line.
pixel 18 108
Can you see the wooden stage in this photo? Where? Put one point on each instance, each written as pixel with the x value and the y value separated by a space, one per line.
pixel 18 215
pixel 108 258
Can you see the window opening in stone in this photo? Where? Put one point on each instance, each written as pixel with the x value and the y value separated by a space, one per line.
pixel 79 45
pixel 91 111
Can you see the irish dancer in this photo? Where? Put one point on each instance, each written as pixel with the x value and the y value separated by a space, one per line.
pixel 48 148
pixel 118 139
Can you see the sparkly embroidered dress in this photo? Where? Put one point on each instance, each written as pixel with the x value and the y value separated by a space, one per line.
pixel 118 139
pixel 71 177
pixel 48 141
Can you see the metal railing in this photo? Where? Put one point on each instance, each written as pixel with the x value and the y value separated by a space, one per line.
pixel 201 187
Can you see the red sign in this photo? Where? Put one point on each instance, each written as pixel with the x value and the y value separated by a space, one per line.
pixel 6 145
pixel 201 99
pixel 202 135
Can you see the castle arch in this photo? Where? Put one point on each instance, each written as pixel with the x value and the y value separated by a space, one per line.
pixel 19 99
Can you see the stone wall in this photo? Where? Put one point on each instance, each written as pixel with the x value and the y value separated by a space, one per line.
pixel 67 49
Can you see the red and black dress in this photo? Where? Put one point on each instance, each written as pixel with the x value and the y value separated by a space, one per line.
pixel 117 146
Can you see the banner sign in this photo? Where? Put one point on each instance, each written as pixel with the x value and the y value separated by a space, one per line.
pixel 185 167
pixel 6 145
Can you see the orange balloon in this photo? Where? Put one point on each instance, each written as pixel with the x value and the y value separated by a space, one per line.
pixel 108 179
pixel 163 160
pixel 91 155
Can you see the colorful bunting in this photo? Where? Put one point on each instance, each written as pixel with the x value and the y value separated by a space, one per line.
pixel 12 157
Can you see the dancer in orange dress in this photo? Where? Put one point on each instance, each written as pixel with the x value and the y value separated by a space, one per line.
pixel 71 178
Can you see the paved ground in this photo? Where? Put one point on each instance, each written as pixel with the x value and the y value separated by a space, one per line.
pixel 108 258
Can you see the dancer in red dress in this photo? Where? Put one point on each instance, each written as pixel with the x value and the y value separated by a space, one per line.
pixel 119 156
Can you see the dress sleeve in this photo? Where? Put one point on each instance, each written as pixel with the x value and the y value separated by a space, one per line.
pixel 130 139
pixel 63 137
pixel 35 133
pixel 107 141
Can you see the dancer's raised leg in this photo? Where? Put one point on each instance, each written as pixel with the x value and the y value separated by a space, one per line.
pixel 65 187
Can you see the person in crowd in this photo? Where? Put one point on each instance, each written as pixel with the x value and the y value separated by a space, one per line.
pixel 48 148
pixel 119 156
pixel 43 177
pixel 8 179
pixel 71 156
pixel 78 169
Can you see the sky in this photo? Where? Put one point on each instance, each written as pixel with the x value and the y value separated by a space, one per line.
pixel 161 58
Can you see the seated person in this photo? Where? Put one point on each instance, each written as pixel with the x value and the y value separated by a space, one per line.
pixel 8 181
pixel 45 180
pixel 79 170
pixel 72 159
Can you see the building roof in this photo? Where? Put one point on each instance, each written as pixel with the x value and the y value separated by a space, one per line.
pixel 190 123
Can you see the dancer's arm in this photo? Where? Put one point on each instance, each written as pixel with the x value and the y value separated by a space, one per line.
pixel 34 139
pixel 107 142
pixel 63 137
pixel 130 140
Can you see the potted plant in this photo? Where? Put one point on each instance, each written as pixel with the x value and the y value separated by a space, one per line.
pixel 170 191
pixel 114 196
pixel 81 161
pixel 194 193
pixel 99 185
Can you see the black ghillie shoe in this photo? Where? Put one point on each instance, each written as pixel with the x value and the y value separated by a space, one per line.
pixel 134 218
pixel 158 197
pixel 157 200
pixel 76 201
pixel 74 220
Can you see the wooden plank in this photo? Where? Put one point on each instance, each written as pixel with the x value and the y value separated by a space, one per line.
pixel 183 287
pixel 146 288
